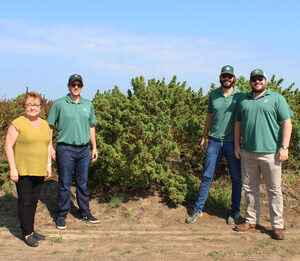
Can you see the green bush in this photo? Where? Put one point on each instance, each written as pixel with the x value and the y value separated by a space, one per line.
pixel 150 137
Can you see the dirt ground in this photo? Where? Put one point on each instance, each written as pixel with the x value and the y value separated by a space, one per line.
pixel 145 228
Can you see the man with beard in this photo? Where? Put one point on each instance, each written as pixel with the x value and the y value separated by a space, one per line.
pixel 220 123
pixel 263 120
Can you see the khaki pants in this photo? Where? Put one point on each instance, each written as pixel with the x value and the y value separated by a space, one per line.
pixel 253 165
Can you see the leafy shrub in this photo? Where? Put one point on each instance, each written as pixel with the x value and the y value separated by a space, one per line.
pixel 151 136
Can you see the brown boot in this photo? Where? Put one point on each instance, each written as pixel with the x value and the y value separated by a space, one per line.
pixel 278 233
pixel 244 227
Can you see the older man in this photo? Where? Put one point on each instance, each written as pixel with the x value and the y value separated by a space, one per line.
pixel 263 120
pixel 220 125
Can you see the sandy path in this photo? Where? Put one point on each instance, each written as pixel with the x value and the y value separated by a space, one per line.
pixel 153 231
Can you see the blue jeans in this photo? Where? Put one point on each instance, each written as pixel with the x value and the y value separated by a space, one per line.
pixel 72 159
pixel 214 153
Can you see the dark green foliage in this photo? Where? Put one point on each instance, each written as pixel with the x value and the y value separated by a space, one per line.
pixel 150 137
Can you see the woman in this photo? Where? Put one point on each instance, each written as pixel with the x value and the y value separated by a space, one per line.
pixel 27 149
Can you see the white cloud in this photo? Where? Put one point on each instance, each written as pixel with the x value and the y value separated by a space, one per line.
pixel 64 49
pixel 115 51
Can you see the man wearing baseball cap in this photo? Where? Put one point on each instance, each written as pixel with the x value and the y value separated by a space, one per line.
pixel 75 121
pixel 220 125
pixel 258 120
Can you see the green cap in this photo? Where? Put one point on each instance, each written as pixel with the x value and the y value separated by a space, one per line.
pixel 75 77
pixel 258 72
pixel 227 69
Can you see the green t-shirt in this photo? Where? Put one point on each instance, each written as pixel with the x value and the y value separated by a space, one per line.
pixel 73 120
pixel 223 111
pixel 261 121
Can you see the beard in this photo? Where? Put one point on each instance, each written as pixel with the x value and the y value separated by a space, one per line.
pixel 227 86
pixel 260 90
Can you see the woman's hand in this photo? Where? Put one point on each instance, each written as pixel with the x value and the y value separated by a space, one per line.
pixel 49 172
pixel 14 175
pixel 52 153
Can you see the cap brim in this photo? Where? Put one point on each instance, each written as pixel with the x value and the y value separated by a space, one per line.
pixel 258 74
pixel 227 73
pixel 70 82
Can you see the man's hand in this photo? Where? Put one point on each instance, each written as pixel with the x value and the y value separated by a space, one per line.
pixel 94 156
pixel 203 144
pixel 238 152
pixel 283 155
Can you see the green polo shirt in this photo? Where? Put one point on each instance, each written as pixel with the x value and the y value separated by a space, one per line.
pixel 223 111
pixel 73 120
pixel 261 121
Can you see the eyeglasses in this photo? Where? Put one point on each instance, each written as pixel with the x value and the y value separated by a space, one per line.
pixel 257 78
pixel 77 84
pixel 35 106
pixel 229 76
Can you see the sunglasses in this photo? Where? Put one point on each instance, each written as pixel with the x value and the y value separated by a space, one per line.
pixel 77 84
pixel 229 76
pixel 255 78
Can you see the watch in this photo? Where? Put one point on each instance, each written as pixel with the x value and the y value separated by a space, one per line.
pixel 284 147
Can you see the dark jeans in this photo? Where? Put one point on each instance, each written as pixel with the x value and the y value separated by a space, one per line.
pixel 29 189
pixel 72 159
pixel 215 151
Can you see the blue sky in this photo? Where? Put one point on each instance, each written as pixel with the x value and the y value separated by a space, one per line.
pixel 110 42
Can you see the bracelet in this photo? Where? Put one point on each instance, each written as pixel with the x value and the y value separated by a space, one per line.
pixel 49 165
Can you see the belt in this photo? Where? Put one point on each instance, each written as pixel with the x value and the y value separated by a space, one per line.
pixel 72 145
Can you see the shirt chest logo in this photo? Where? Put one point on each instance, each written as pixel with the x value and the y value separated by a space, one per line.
pixel 84 109
pixel 266 100
pixel 234 101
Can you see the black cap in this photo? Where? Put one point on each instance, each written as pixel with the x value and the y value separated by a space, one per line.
pixel 75 77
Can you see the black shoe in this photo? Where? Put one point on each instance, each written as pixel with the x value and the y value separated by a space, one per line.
pixel 61 223
pixel 31 241
pixel 38 236
pixel 90 219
